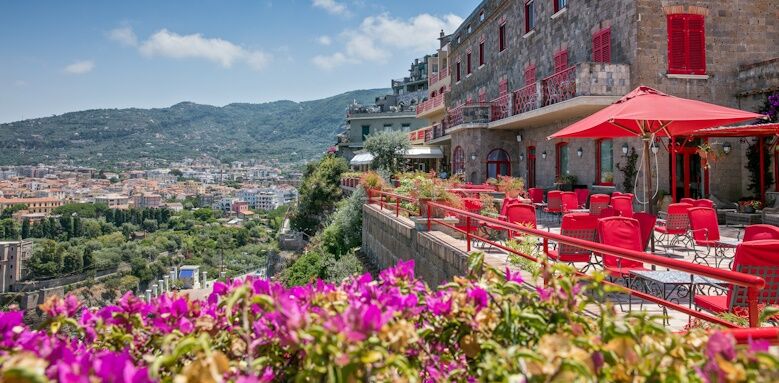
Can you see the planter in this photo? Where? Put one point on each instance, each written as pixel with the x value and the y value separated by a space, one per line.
pixel 434 212
pixel 747 210
pixel 564 187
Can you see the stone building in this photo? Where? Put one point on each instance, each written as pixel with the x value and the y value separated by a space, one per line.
pixel 521 70
pixel 13 258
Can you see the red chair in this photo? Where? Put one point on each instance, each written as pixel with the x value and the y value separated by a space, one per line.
pixel 758 258
pixel 582 226
pixel 703 203
pixel 623 204
pixel 687 200
pixel 675 228
pixel 598 202
pixel 615 194
pixel 536 195
pixel 647 223
pixel 554 202
pixel 705 232
pixel 582 195
pixel 623 233
pixel 506 202
pixel 760 232
pixel 569 201
pixel 608 212
pixel 472 205
pixel 518 213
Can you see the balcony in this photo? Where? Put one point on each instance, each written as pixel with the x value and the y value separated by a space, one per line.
pixel 575 91
pixel 431 107
pixel 470 114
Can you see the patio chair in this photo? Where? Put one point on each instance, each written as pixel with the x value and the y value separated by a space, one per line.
pixel 608 212
pixel 703 203
pixel 536 195
pixel 623 204
pixel 758 258
pixel 471 205
pixel 760 232
pixel 577 225
pixel 582 195
pixel 624 233
pixel 598 202
pixel 615 194
pixel 569 201
pixel 771 213
pixel 647 223
pixel 705 232
pixel 675 228
pixel 506 202
pixel 517 213
pixel 554 202
pixel 687 200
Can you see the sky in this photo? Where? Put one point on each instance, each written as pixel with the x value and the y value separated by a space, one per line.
pixel 62 56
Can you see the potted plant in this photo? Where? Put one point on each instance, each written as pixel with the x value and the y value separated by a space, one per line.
pixel 749 206
pixel 565 182
pixel 511 186
pixel 372 181
pixel 433 189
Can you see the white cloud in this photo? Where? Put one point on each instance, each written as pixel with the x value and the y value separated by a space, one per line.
pixel 324 40
pixel 165 43
pixel 123 35
pixel 379 37
pixel 80 67
pixel 332 7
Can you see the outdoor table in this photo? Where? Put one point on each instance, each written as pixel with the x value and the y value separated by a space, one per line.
pixel 672 285
pixel 578 211
pixel 733 218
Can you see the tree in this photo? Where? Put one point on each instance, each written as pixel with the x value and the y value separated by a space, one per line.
pixel 9 211
pixel 25 228
pixel 10 228
pixel 319 193
pixel 88 260
pixel 387 149
pixel 150 225
pixel 72 261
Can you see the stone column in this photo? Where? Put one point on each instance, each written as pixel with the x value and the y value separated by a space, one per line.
pixel 205 279
pixel 154 290
pixel 148 295
pixel 166 278
pixel 161 284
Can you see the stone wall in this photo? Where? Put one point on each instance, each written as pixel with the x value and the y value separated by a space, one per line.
pixel 387 240
pixel 756 81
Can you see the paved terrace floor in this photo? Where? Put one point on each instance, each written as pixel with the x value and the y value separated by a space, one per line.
pixel 675 320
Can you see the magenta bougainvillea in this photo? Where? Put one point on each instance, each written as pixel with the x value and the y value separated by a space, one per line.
pixel 489 326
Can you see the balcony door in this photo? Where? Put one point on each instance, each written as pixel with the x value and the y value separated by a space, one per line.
pixel 689 174
pixel 531 166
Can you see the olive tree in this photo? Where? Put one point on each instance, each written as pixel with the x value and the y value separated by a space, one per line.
pixel 387 149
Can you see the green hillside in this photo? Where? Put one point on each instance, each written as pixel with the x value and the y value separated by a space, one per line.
pixel 283 130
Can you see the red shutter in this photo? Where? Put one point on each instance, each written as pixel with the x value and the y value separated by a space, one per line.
pixel 676 44
pixel 696 44
pixel 530 75
pixel 560 60
pixel 605 45
pixel 596 50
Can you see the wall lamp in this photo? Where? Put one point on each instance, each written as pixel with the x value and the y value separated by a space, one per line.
pixel 579 152
pixel 473 156
pixel 655 148
pixel 519 138
pixel 521 156
pixel 625 148
pixel 543 155
pixel 727 148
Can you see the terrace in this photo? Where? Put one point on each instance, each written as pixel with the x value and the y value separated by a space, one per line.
pixel 679 275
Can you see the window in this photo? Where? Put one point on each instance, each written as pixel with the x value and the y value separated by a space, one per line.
pixel 481 53
pixel 405 127
pixel 530 15
pixel 498 164
pixel 559 4
pixel 560 60
pixel 458 39
pixel 561 152
pixel 604 165
pixel 387 127
pixel 458 72
pixel 458 160
pixel 469 28
pixel 468 62
pixel 502 37
pixel 481 16
pixel 530 75
pixel 686 44
pixel 601 46
pixel 366 130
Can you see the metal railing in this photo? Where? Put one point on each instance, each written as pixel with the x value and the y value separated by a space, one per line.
pixel 499 108
pixel 525 98
pixel 560 86
pixel 752 283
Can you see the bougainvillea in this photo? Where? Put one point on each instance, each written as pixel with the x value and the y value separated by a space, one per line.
pixel 487 326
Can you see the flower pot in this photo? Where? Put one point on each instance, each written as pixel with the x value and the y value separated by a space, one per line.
pixel 434 212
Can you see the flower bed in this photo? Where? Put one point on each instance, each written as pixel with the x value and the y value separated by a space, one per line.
pixel 483 327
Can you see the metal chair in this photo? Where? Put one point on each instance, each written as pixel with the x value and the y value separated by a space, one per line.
pixel 760 232
pixel 554 202
pixel 646 222
pixel 675 228
pixel 703 203
pixel 569 201
pixel 705 233
pixel 758 258
pixel 598 202
pixel 623 204
pixel 687 200
pixel 536 195
pixel 624 233
pixel 582 226
pixel 582 195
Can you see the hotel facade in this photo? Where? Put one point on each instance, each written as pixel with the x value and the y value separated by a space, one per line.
pixel 517 71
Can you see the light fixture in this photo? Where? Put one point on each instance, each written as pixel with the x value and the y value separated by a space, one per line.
pixel 521 156
pixel 726 147
pixel 543 155
pixel 579 152
pixel 625 148
pixel 519 138
pixel 473 156
pixel 655 148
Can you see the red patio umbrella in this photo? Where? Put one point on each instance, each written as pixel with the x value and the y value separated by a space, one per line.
pixel 648 113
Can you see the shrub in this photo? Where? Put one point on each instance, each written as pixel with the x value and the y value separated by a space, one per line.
pixel 387 149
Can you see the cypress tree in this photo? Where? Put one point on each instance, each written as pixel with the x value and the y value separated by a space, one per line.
pixel 25 228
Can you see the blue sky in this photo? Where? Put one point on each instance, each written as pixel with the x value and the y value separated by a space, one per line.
pixel 61 56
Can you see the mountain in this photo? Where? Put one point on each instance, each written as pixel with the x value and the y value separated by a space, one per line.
pixel 284 130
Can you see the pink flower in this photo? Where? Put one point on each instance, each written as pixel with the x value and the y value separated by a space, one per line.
pixel 479 297
pixel 439 304
pixel 513 277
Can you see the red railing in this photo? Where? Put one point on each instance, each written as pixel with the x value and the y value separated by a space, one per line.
pixel 753 283
pixel 430 104
pixel 455 115
pixel 444 73
pixel 526 98
pixel 560 86
pixel 394 202
pixel 433 78
pixel 499 108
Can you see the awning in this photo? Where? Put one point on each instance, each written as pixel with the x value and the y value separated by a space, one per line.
pixel 361 159
pixel 739 131
pixel 423 152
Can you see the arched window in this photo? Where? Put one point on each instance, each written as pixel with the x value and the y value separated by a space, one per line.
pixel 498 164
pixel 458 160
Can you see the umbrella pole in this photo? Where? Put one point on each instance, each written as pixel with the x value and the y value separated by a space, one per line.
pixel 648 177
